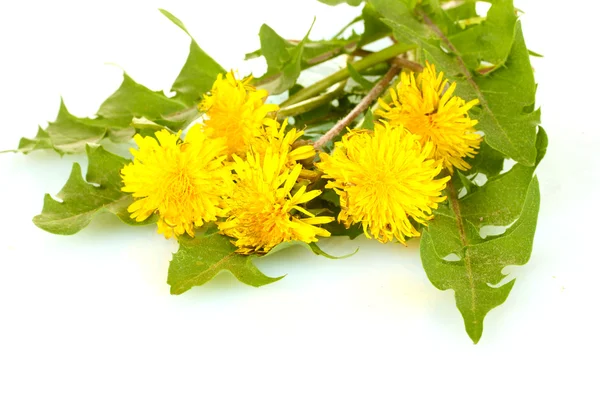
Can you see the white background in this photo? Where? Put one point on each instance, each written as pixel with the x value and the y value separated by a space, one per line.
pixel 90 316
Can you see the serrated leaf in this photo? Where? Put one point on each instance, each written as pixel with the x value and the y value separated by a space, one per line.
pixel 71 134
pixel 67 134
pixel 200 259
pixel 132 100
pixel 487 161
pixel 41 141
pixel 198 73
pixel 510 198
pixel 501 199
pixel 81 199
pixel 477 276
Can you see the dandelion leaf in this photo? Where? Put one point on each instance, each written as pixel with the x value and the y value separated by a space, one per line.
pixel 200 259
pixel 198 73
pixel 81 200
pixel 511 198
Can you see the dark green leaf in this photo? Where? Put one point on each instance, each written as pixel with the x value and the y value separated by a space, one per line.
pixel 81 200
pixel 487 161
pixel 476 278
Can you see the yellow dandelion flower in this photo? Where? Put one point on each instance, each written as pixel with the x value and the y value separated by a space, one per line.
pixel 279 141
pixel 236 111
pixel 427 109
pixel 263 210
pixel 181 181
pixel 384 178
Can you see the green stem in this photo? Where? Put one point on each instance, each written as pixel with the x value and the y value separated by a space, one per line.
pixel 310 104
pixel 364 63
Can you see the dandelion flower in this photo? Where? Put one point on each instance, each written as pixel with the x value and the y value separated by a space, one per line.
pixel 263 210
pixel 384 178
pixel 183 182
pixel 279 141
pixel 236 111
pixel 425 105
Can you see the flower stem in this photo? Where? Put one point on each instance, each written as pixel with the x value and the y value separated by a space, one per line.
pixel 310 104
pixel 364 63
pixel 360 107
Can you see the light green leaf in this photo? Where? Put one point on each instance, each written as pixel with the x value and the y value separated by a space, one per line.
pixel 490 40
pixel 67 134
pixel 198 73
pixel 42 141
pixel 336 2
pixel 374 27
pixel 82 199
pixel 132 100
pixel 477 276
pixel 358 78
pixel 284 70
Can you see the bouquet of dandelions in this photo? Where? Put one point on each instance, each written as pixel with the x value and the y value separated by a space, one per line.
pixel 409 141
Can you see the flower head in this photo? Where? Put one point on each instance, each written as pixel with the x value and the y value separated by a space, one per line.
pixel 426 107
pixel 384 178
pixel 236 111
pixel 279 141
pixel 181 181
pixel 263 210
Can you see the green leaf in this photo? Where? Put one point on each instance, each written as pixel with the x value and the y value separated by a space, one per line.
pixel 71 134
pixel 67 134
pixel 42 141
pixel 274 48
pixel 200 259
pixel 374 27
pixel 477 277
pixel 83 199
pixel 491 40
pixel 510 198
pixel 358 78
pixel 199 72
pixel 132 100
pixel 336 2
pixel 506 95
pixel 487 161
pixel 284 62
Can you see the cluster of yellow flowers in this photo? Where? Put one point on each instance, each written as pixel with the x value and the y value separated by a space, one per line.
pixel 236 168
pixel 387 175
pixel 241 168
